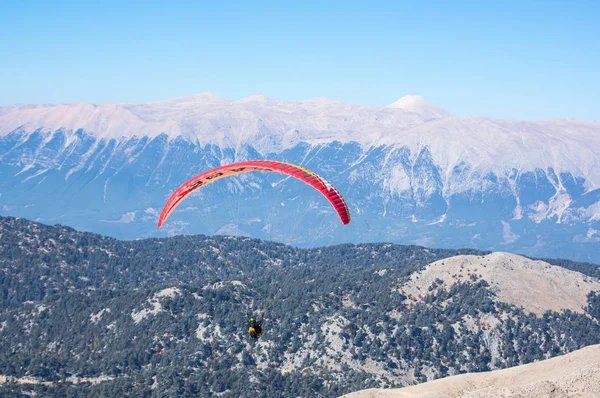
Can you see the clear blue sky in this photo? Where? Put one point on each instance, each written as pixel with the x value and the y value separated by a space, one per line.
pixel 515 59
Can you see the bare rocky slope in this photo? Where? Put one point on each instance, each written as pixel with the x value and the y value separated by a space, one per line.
pixel 535 286
pixel 573 375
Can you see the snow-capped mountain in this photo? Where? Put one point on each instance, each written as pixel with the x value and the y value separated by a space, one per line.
pixel 410 172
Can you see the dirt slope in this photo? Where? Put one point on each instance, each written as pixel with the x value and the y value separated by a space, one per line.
pixel 573 375
pixel 534 285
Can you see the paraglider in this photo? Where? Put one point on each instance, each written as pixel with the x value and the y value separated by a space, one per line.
pixel 302 174
pixel 307 176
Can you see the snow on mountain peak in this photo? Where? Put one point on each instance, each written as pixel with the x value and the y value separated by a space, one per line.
pixel 408 101
pixel 496 145
pixel 208 118
pixel 414 103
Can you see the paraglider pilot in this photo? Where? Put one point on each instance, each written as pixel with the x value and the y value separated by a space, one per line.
pixel 254 328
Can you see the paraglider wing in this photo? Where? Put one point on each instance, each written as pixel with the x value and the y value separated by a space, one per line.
pixel 321 185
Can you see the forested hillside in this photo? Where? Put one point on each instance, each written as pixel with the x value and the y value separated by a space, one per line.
pixel 167 317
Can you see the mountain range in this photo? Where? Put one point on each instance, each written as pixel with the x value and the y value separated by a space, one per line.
pixel 410 173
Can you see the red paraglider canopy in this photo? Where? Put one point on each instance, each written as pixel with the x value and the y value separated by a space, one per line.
pixel 312 179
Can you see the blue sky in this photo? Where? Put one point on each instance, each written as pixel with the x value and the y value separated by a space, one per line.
pixel 512 59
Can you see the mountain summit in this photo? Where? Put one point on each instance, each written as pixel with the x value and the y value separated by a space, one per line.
pixel 416 104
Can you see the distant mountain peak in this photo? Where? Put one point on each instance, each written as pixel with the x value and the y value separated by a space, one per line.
pixel 414 103
pixel 407 101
